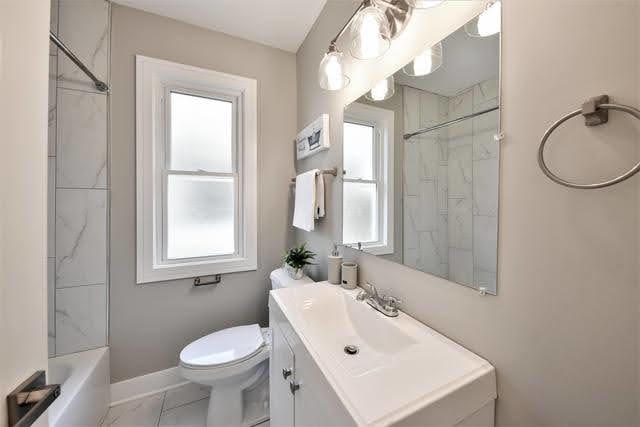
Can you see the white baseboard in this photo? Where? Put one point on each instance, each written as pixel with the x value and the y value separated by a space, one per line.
pixel 145 385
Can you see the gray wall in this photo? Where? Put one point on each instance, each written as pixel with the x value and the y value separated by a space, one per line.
pixel 563 330
pixel 149 324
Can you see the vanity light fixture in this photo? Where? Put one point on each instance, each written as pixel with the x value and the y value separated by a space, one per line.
pixel 370 32
pixel 382 90
pixel 487 23
pixel 375 24
pixel 426 62
pixel 425 4
pixel 331 74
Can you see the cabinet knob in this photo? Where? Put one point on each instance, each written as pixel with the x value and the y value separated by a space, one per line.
pixel 286 373
pixel 294 386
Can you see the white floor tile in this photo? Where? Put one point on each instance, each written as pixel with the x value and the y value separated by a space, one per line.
pixel 143 412
pixel 191 415
pixel 185 394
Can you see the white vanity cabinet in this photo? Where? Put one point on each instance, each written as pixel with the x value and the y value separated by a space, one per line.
pixel 299 393
pixel 403 373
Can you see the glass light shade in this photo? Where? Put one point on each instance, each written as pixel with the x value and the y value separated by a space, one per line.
pixel 487 23
pixel 424 4
pixel 426 62
pixel 330 72
pixel 370 34
pixel 382 90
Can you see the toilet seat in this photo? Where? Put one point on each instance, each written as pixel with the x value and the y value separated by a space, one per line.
pixel 227 347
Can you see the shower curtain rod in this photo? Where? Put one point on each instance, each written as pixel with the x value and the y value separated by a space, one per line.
pixel 100 85
pixel 450 122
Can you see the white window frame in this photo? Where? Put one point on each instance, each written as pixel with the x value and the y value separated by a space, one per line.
pixel 382 121
pixel 155 80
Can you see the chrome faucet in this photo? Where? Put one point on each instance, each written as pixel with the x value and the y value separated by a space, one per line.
pixel 385 304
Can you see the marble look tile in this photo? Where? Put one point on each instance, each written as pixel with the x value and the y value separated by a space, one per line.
pixel 443 146
pixel 51 207
pixel 444 271
pixel 460 171
pixel 461 266
pixel 422 211
pixel 81 318
pixel 460 224
pixel 84 27
pixel 484 279
pixel 82 139
pixel 143 412
pixel 52 132
pixel 443 188
pixel 51 306
pixel 411 258
pixel 485 187
pixel 51 136
pixel 461 105
pixel 485 243
pixel 411 167
pixel 81 236
pixel 430 113
pixel 485 91
pixel 190 415
pixel 53 27
pixel 430 257
pixel 443 238
pixel 411 108
pixel 410 239
pixel 185 394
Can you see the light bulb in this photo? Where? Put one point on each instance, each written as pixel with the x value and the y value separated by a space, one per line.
pixel 370 33
pixel 330 72
pixel 425 4
pixel 488 23
pixel 426 62
pixel 489 20
pixel 382 90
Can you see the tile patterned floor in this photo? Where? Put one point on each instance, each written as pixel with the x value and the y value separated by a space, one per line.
pixel 185 406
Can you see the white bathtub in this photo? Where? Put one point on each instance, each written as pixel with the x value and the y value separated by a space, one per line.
pixel 85 383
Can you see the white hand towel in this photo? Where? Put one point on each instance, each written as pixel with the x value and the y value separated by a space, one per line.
pixel 304 212
pixel 319 211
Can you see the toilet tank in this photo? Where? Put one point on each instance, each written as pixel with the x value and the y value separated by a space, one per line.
pixel 280 279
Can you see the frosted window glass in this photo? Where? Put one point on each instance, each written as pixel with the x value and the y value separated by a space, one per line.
pixel 201 134
pixel 360 214
pixel 200 214
pixel 358 151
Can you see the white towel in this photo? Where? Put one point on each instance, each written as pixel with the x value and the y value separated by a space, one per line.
pixel 307 207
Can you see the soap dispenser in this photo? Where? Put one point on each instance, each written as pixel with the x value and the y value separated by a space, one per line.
pixel 334 264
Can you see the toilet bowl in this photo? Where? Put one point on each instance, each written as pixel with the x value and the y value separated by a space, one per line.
pixel 234 362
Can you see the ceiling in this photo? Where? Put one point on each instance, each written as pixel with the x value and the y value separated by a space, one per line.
pixel 466 62
pixel 283 24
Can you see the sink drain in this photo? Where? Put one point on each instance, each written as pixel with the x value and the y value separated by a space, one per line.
pixel 351 349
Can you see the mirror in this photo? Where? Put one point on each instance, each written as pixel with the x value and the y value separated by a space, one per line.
pixel 421 158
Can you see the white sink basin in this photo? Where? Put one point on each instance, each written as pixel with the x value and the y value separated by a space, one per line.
pixel 402 366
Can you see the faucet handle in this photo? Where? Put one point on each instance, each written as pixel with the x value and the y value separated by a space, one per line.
pixel 392 302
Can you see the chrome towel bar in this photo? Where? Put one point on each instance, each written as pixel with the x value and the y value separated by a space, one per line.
pixel 333 172
pixel 595 112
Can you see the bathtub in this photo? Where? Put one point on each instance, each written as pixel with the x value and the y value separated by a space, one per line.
pixel 85 395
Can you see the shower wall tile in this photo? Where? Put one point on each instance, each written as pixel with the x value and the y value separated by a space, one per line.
pixel 485 242
pixel 53 27
pixel 51 136
pixel 430 256
pixel 461 105
pixel 410 239
pixel 81 318
pixel 460 168
pixel 460 224
pixel 485 91
pixel 81 236
pixel 51 303
pixel 51 207
pixel 443 238
pixel 411 169
pixel 84 27
pixel 430 113
pixel 485 187
pixel 443 188
pixel 461 266
pixel 82 140
pixel 411 108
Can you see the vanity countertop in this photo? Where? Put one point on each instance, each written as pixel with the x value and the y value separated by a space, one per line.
pixel 402 366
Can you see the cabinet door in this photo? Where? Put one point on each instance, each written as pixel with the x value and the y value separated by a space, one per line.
pixel 281 369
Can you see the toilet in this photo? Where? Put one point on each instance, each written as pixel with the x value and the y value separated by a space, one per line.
pixel 234 362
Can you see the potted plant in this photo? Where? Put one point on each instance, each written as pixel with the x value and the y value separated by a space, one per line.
pixel 296 259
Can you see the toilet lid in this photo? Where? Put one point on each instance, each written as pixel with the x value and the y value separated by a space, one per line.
pixel 223 347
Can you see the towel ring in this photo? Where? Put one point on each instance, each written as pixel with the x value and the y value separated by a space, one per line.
pixel 596 112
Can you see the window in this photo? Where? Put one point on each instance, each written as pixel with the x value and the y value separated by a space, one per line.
pixel 196 171
pixel 368 178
